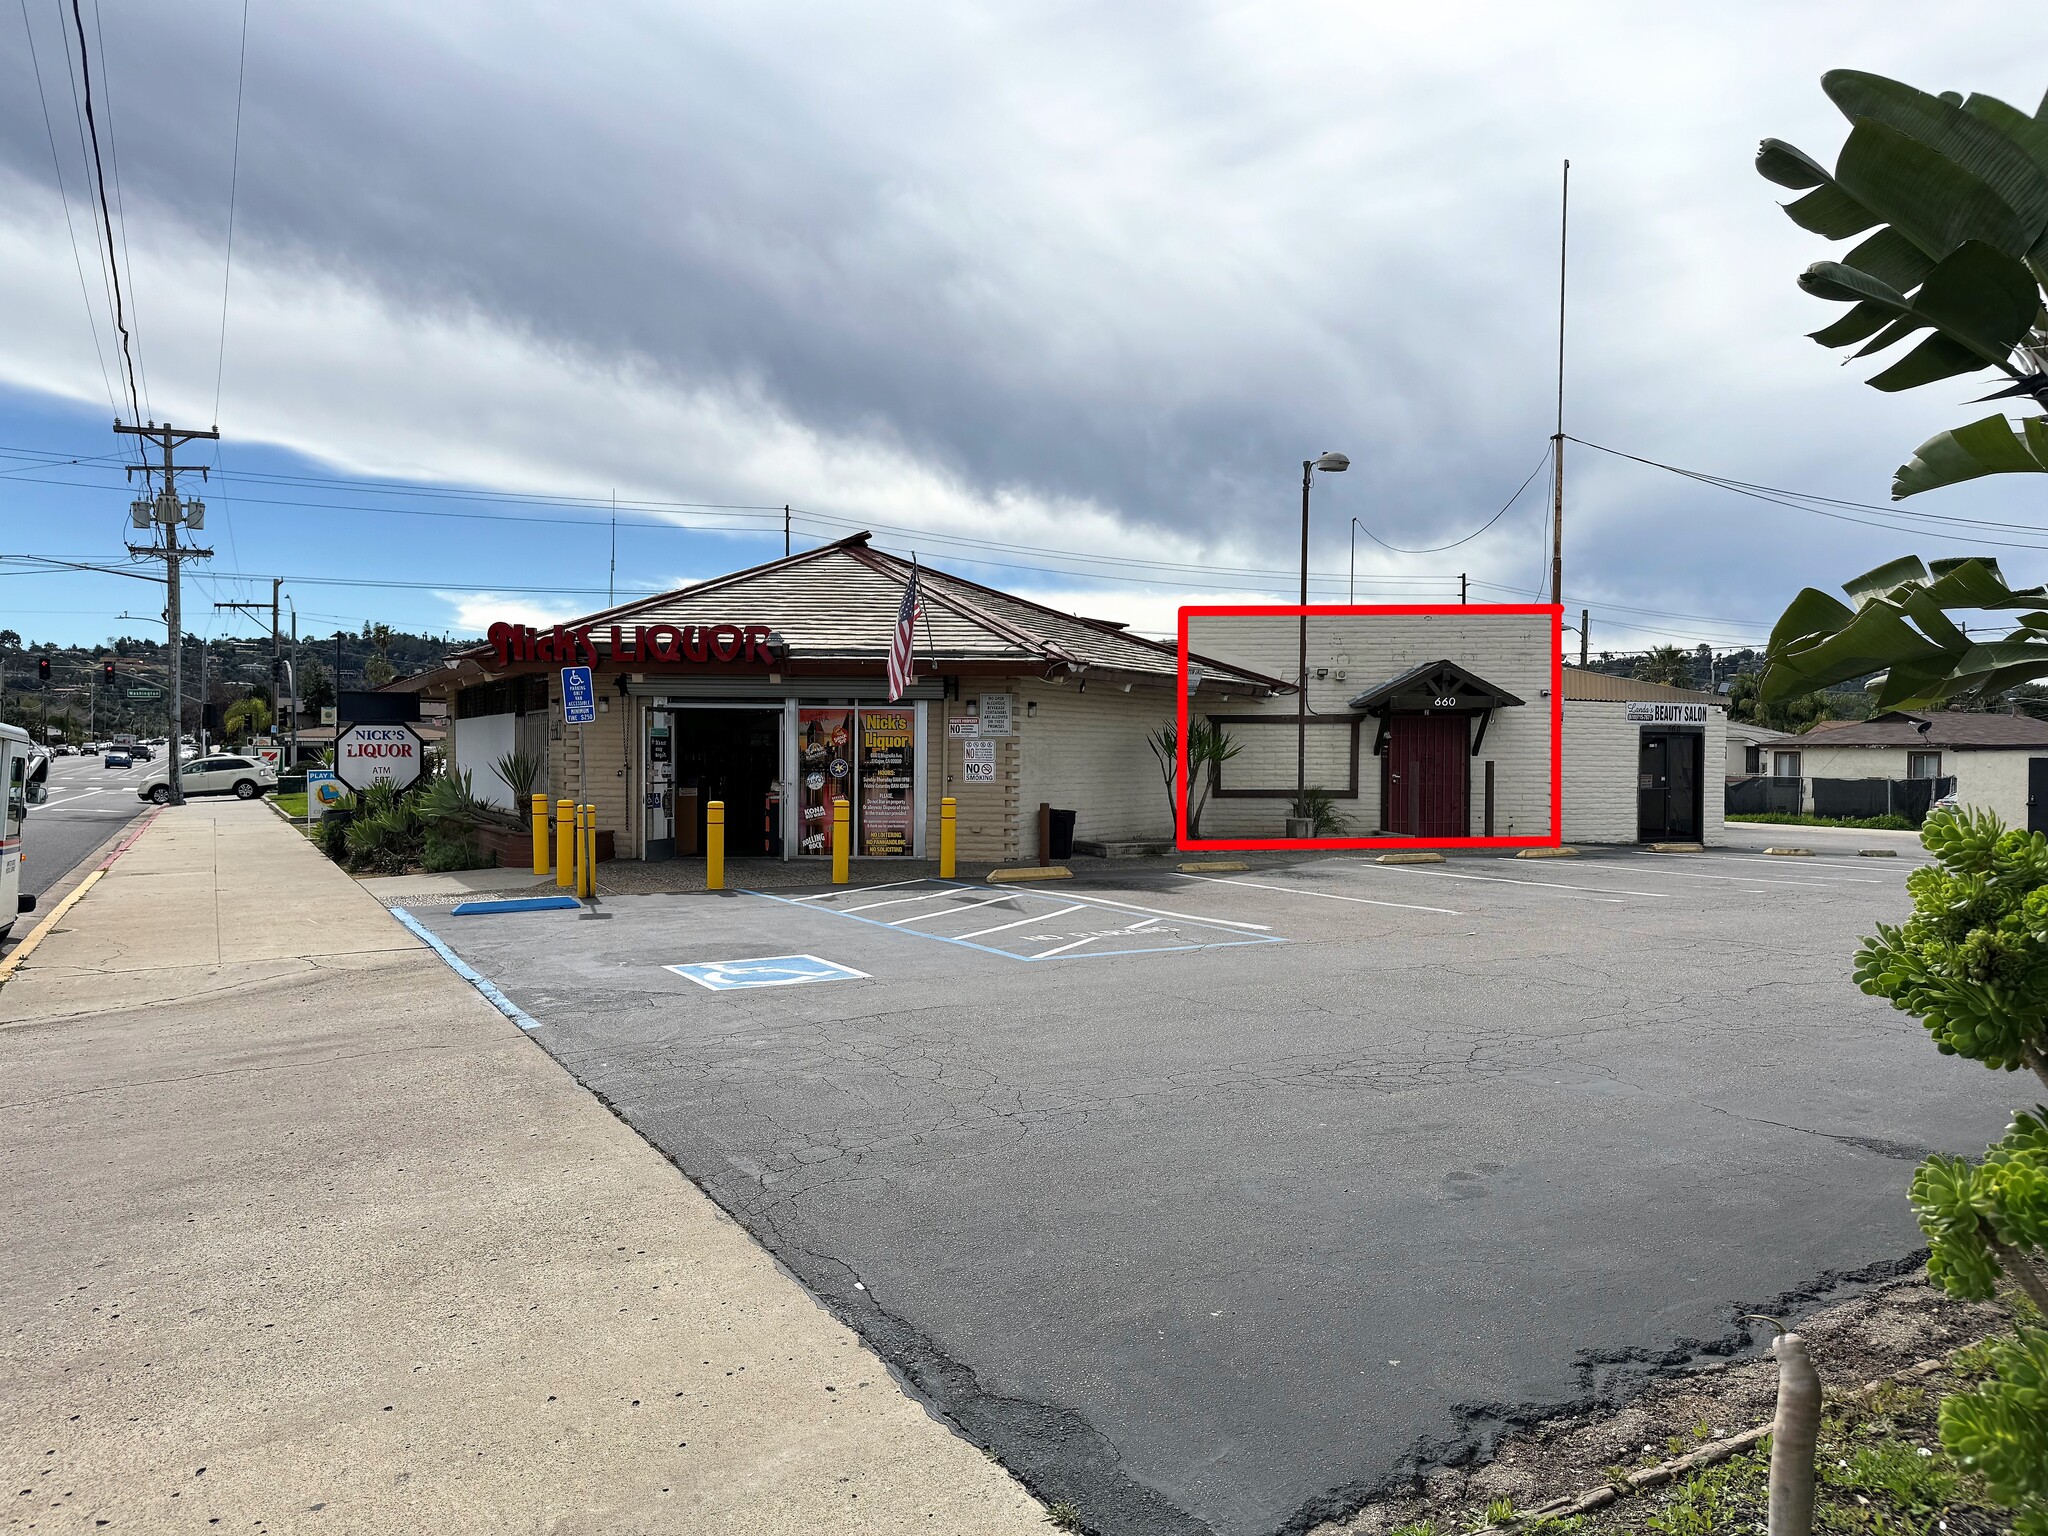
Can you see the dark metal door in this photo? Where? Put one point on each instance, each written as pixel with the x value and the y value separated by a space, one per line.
pixel 1668 787
pixel 1426 776
pixel 2037 794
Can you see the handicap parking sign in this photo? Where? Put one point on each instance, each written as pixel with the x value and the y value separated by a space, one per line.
pixel 579 702
pixel 765 971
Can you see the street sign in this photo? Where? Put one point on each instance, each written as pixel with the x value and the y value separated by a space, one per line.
pixel 579 698
pixel 769 971
pixel 142 693
pixel 271 756
pixel 376 754
pixel 327 714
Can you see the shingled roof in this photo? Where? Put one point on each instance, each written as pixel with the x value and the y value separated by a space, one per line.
pixel 1950 729
pixel 840 600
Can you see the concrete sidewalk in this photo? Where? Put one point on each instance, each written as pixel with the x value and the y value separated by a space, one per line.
pixel 302 1235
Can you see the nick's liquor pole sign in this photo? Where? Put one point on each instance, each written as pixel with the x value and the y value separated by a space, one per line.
pixel 665 644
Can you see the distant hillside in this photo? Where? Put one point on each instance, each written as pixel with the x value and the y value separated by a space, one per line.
pixel 79 703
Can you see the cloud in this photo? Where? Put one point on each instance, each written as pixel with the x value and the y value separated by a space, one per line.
pixel 1083 279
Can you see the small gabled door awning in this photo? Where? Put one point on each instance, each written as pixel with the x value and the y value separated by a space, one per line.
pixel 1434 688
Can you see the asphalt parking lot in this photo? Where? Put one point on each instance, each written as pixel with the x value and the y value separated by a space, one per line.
pixel 1212 1202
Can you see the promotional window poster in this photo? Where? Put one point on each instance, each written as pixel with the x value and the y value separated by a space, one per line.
pixel 824 772
pixel 887 772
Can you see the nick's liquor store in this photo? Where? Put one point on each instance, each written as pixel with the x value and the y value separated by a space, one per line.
pixel 768 690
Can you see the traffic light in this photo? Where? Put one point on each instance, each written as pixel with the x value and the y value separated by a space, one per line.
pixel 107 673
pixel 42 669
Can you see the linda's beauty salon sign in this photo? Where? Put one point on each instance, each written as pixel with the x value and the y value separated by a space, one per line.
pixel 642 644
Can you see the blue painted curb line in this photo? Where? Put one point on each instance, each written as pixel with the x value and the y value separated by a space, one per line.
pixel 492 995
pixel 514 904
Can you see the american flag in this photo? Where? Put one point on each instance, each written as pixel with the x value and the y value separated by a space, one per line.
pixel 902 657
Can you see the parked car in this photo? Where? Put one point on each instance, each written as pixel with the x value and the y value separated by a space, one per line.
pixel 223 774
pixel 117 758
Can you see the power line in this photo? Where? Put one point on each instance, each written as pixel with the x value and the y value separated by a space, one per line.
pixel 107 218
pixel 64 198
pixel 234 184
pixel 120 202
pixel 1437 549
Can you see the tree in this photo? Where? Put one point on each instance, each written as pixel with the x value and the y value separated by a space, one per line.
pixel 245 718
pixel 316 689
pixel 1745 703
pixel 1666 664
pixel 378 671
pixel 1956 191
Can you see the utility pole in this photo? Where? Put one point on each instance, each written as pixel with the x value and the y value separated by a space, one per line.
pixel 1557 438
pixel 295 683
pixel 1461 588
pixel 275 656
pixel 167 511
pixel 785 530
pixel 1585 619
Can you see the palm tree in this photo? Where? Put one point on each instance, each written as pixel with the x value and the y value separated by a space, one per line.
pixel 1666 664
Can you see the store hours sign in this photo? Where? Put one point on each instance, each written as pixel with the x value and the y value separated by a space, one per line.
pixel 379 754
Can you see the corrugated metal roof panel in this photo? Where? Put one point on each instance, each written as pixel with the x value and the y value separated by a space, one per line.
pixel 1592 686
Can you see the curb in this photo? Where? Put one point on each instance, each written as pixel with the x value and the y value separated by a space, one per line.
pixel 1560 852
pixel 1877 853
pixel 1790 853
pixel 43 929
pixel 1678 847
pixel 1409 858
pixel 1030 872
pixel 1221 867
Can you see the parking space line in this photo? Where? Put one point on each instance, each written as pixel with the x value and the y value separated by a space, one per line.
pixel 894 901
pixel 1036 917
pixel 1186 917
pixel 858 890
pixel 1595 892
pixel 876 922
pixel 1047 954
pixel 918 917
pixel 1408 906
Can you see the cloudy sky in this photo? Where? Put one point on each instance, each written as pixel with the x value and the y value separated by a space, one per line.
pixel 1057 295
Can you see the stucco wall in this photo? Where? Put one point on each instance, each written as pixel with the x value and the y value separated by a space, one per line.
pixel 1086 752
pixel 1992 780
pixel 1357 653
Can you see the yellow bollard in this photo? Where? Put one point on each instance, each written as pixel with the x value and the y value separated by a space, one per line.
pixel 540 834
pixel 947 813
pixel 589 861
pixel 714 846
pixel 842 837
pixel 565 843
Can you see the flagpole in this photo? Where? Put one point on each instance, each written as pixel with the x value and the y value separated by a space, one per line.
pixel 945 730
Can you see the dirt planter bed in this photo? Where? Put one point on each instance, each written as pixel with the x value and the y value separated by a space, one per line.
pixel 1685 1455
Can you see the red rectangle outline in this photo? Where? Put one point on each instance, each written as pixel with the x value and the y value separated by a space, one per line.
pixel 1553 839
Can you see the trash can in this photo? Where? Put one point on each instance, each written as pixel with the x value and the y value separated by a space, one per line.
pixel 1062 835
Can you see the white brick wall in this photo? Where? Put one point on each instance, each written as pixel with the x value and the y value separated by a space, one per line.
pixel 1602 756
pixel 1511 651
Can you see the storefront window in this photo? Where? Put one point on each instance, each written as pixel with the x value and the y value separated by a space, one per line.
pixel 825 762
pixel 887 781
pixel 866 755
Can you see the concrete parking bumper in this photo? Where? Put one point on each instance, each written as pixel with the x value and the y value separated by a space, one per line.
pixel 303 1235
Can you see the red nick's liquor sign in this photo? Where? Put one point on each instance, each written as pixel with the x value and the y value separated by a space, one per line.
pixel 658 644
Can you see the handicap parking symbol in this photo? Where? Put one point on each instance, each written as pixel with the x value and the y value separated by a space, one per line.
pixel 765 971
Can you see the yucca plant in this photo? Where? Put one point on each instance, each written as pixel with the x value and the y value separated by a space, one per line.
pixel 1318 807
pixel 520 771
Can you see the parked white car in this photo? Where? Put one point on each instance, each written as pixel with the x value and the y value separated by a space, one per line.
pixel 222 774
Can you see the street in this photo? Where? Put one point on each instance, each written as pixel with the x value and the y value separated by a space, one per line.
pixel 87 805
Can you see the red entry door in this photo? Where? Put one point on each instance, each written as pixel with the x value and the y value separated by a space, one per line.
pixel 1426 776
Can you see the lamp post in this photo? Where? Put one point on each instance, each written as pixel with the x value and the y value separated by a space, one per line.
pixel 1329 464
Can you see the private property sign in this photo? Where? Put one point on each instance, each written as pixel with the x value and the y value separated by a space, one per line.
pixel 374 754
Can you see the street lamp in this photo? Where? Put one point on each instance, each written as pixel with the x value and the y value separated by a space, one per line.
pixel 1329 464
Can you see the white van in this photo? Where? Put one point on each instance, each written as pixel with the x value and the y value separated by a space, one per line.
pixel 24 772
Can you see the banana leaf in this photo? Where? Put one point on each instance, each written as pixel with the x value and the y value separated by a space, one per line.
pixel 1993 446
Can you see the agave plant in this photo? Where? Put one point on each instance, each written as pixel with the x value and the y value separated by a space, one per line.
pixel 1951 195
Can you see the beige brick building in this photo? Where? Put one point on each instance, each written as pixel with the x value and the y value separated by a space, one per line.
pixel 767 691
